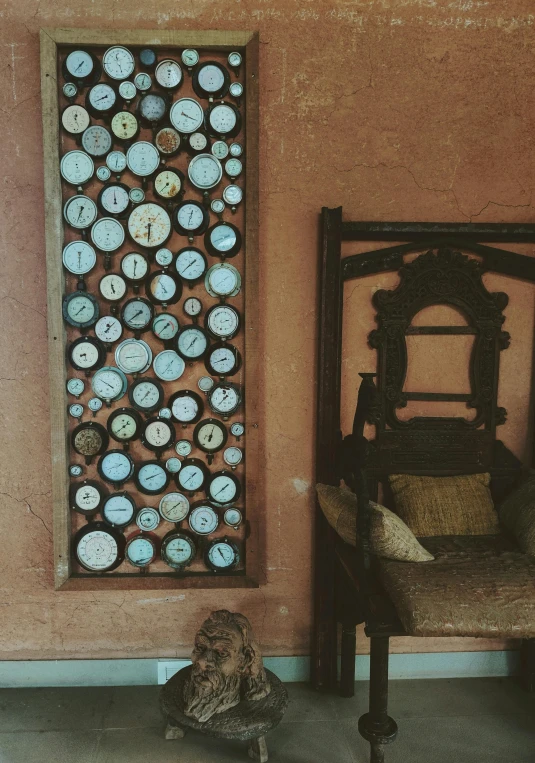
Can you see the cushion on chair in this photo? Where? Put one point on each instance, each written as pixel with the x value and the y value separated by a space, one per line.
pixel 517 514
pixel 477 586
pixel 389 535
pixel 459 505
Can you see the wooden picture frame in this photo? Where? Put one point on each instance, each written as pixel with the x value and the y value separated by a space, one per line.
pixel 248 44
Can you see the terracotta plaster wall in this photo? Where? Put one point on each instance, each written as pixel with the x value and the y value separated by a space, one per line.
pixel 400 110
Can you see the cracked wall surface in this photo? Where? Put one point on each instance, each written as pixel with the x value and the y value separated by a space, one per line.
pixel 397 109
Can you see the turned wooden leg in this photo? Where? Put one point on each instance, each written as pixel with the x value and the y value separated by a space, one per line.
pixel 347 667
pixel 376 726
pixel 258 749
pixel 527 664
pixel 173 730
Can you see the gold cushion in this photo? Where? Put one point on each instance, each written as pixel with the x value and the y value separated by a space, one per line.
pixel 517 513
pixel 432 506
pixel 389 535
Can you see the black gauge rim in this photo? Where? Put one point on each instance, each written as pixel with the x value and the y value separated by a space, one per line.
pixel 197 231
pixel 150 122
pixel 75 486
pixel 96 343
pixel 158 386
pixel 121 412
pixel 207 321
pixel 136 536
pixel 189 314
pixel 187 393
pixel 158 448
pixel 200 91
pixel 238 391
pixel 198 251
pixel 177 172
pixel 127 141
pixel 134 280
pixel 145 302
pixel 220 346
pixel 105 211
pixel 183 329
pixel 123 453
pixel 231 476
pixel 96 113
pixel 200 465
pixel 183 536
pixel 90 79
pixel 194 151
pixel 174 88
pixel 207 505
pixel 207 422
pixel 233 546
pixel 179 147
pixel 163 315
pixel 210 248
pixel 147 491
pixel 117 536
pixel 231 133
pixel 107 299
pixel 129 498
pixel 178 291
pixel 80 324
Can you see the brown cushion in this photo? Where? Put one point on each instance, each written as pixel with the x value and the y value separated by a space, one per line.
pixel 389 535
pixel 459 505
pixel 517 513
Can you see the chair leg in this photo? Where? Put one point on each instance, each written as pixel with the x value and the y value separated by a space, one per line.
pixel 527 664
pixel 347 667
pixel 376 726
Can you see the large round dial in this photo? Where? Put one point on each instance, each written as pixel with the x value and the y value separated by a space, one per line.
pixel 134 266
pixel 137 314
pixel 174 507
pixel 86 353
pixel 101 99
pixel 96 140
pixel 224 399
pixel 165 327
pixel 79 257
pixel 223 487
pixel 205 171
pixel 190 218
pixel 158 434
pixel 151 478
pixel 80 309
pixel 76 167
pixel 146 395
pixel 203 520
pixel 211 80
pixel 118 510
pixel 116 467
pixel 186 115
pixel 168 183
pixel 107 234
pixel 108 329
pixel 79 65
pixel 75 119
pixel 192 342
pixel 80 211
pixel 109 383
pixel 210 435
pixel 118 62
pixel 116 161
pixel 149 225
pixel 222 555
pixel 223 240
pixel 168 365
pixel 86 497
pixel 133 356
pixel 178 550
pixel 168 74
pixel 152 108
pixel 163 288
pixel 190 263
pixel 186 406
pixel 140 551
pixel 223 280
pixel 142 158
pixel 224 119
pixel 114 199
pixel 112 287
pixel 222 321
pixel 124 425
pixel 98 548
pixel 193 475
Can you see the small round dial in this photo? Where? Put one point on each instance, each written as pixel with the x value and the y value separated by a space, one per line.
pixel 173 465
pixel 98 548
pixel 109 383
pixel 76 167
pixel 167 141
pixel 223 240
pixel 165 326
pixel 192 306
pixel 89 439
pixel 103 173
pixel 222 555
pixel 186 406
pixel 112 287
pixel 147 519
pixel 223 487
pixel 116 161
pixel 96 140
pixel 163 288
pixel 127 90
pixel 75 470
pixel 234 59
pixel 146 395
pixel 198 142
pixel 143 82
pixel 190 218
pixel 168 74
pixel 236 89
pixel 70 90
pixel 186 115
pixel 190 57
pixel 134 266
pixel 222 321
pixel 149 225
pixel 114 199
pixel 232 517
pixel 79 64
pixel 168 183
pixel 140 551
pixel 203 520
pixel 183 448
pixel 192 342
pixel 223 280
pixel 124 125
pixel 136 195
pixel 118 510
pixel 220 149
pixel 116 467
pixel 137 314
pixel 211 80
pixel 124 425
pixel 118 62
pixel 224 399
pixel 142 158
pixel 158 434
pixel 217 206
pixel 168 365
pixel 164 257
pixel 80 211
pixel 205 383
pixel 86 497
pixel 101 99
pixel 75 119
pixel 174 507
pixel 210 435
pixel 233 456
pixel 178 550
pixel 224 119
pixel 80 309
pixel 79 257
pixel 94 404
pixel 165 413
pixel 193 475
pixel 223 359
pixel 133 356
pixel 236 149
pixel 205 171
pixel 237 429
pixel 190 263
pixel 233 194
pixel 152 108
pixel 75 387
pixel 86 354
pixel 151 478
pixel 76 410
pixel 233 168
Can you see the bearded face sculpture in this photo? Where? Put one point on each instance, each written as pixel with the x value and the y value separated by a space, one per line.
pixel 227 667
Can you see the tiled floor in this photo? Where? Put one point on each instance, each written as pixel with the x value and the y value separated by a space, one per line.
pixel 443 721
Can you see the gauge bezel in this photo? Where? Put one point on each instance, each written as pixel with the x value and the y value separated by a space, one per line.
pixel 124 494
pixel 99 346
pixel 211 249
pixel 135 329
pixel 202 228
pixel 197 158
pixel 223 473
pixel 148 491
pixel 201 466
pixel 197 251
pixel 239 396
pixel 161 243
pixel 188 327
pixel 133 137
pixel 68 298
pixel 208 314
pixel 161 315
pixel 145 121
pixel 186 393
pixel 181 177
pixel 123 453
pixel 204 505
pixel 91 78
pixel 117 536
pixel 198 88
pixel 145 347
pixel 215 423
pixel 158 449
pixel 120 374
pixel 95 426
pixel 220 346
pixel 146 536
pixel 76 183
pixel 70 106
pixel 108 299
pixel 182 536
pixel 168 88
pixel 73 489
pixel 164 352
pixel 222 135
pixel 222 266
pixel 157 516
pixel 106 212
pixel 129 279
pixel 178 290
pixel 98 113
pixel 158 386
pixel 233 546
pixel 121 412
pixel 166 518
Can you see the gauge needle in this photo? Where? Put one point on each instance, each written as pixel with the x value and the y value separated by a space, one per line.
pixel 79 66
pixel 191 345
pixel 183 114
pixel 81 211
pixel 80 310
pixel 222 490
pixel 136 314
pixel 211 434
pixel 148 232
pixel 221 554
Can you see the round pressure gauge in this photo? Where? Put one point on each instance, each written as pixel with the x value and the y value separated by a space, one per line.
pixel 86 353
pixel 220 149
pixel 70 90
pixel 75 470
pixel 236 90
pixel 169 183
pixel 96 140
pixel 112 287
pixel 203 519
pixel 133 356
pixel 94 404
pixel 223 240
pixel 205 171
pixel 223 119
pixel 198 142
pixel 233 168
pixel 223 359
pixel 163 288
pixel 168 74
pixel 237 429
pixel 115 467
pixel 143 82
pixel 173 465
pixel 236 149
pixel 109 383
pixel 136 195
pixel 210 435
pixel 217 206
pixel 114 199
pixel 118 510
pixel 190 218
pixel 167 141
pixel 81 66
pixel 87 497
pixel 190 264
pixel 178 550
pixel 211 80
pixel 232 517
pixel 192 342
pixel 76 410
pixel 75 119
pixel 124 125
pixel 76 167
pixel 118 62
pixel 223 280
pixel 98 548
pixel 183 448
pixel 222 555
pixel 234 59
pixel 101 99
pixel 190 57
pixel 186 115
pixel 233 194
pixel 151 478
pixel 224 399
pixel 165 413
pixel 107 234
pixel 186 406
pixel 149 225
pixel 146 395
pixel 124 425
pixel 222 321
pixel 165 326
pixel 174 507
pixel 127 90
pixel 147 519
pixel 116 161
pixel 233 456
pixel 142 158
pixel 168 365
pixel 223 487
pixel 89 439
pixel 205 384
pixel 193 475
pixel 140 550
pixel 152 109
pixel 164 257
pixel 75 387
pixel 80 309
pixel 134 267
pixel 137 314
pixel 103 173
pixel 80 211
pixel 158 434
pixel 192 307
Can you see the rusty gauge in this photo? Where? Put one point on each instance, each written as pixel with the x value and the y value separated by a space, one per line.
pixel 77 168
pixel 89 439
pixel 169 183
pixel 167 141
pixel 142 158
pixel 149 225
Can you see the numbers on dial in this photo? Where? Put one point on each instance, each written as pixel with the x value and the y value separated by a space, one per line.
pixel 151 478
pixel 142 158
pixel 165 326
pixel 186 406
pixel 76 167
pixel 205 171
pixel 186 115
pixel 203 520
pixel 80 211
pixel 168 365
pixel 210 435
pixel 222 555
pixel 124 425
pixel 115 467
pixel 168 74
pixel 223 487
pixel 75 119
pixel 147 519
pixel 109 383
pixel 101 98
pixel 118 510
pixel 168 183
pixel 118 62
pixel 116 161
pixel 98 549
pixel 124 125
pixel 137 314
pixel 178 550
pixel 223 280
pixel 223 359
pixel 174 507
pixel 224 398
pixel 114 199
pixel 192 342
pixel 224 119
pixel 134 266
pixel 140 551
pixel 190 263
pixel 222 321
pixel 146 395
pixel 107 234
pixel 193 475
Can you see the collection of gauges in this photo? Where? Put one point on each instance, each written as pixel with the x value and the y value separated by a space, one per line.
pixel 126 116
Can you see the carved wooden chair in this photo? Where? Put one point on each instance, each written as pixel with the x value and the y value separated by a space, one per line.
pixel 391 598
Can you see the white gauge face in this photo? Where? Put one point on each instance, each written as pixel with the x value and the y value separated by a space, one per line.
pixel 223 489
pixel 87 498
pixel 103 173
pixel 96 140
pixel 133 356
pixel 107 234
pixel 233 194
pixel 75 119
pixel 174 507
pixel 123 426
pixel 222 119
pixel 233 168
pixel 190 264
pixel 223 280
pixel 165 326
pixel 143 81
pixel 198 141
pixel 220 149
pixel 80 308
pixel 186 115
pixel 136 314
pixel 149 225
pixel 70 90
pixel 79 64
pixel 224 399
pixel 152 108
pixel 190 57
pixel 124 125
pixel 77 167
pixel 236 149
pixel 168 365
pixel 205 171
pixel 108 384
pixel 167 184
pixel 232 517
pixel 85 355
pixel 190 477
pixel 205 383
pixel 114 199
pixel 233 456
pixel 211 436
pixel 165 413
pixel 75 470
pixel 190 216
pixel 112 287
pixel 127 90
pixel 185 409
pixel 173 465
pixel 178 551
pixel 192 343
pixel 203 520
pixel 168 73
pixel 80 211
pixel 146 395
pixel 118 510
pixel 148 519
pixel 97 550
pixel 211 78
pixel 237 429
pixel 223 321
pixel 217 206
pixel 152 477
pixel 75 386
pixel 116 467
pixel 118 62
pixel 134 266
pixel 192 306
pixel 223 360
pixel 79 257
pixel 222 555
pixel 76 410
pixel 234 59
pixel 136 195
pixel 102 97
pixel 140 552
pixel 116 161
pixel 183 448
pixel 236 89
pixel 223 237
pixel 164 257
pixel 95 404
pixel 162 287
pixel 158 434
pixel 167 141
pixel 142 158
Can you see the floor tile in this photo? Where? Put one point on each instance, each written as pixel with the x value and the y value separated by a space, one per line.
pixel 134 707
pixel 49 747
pixel 53 709
pixel 307 704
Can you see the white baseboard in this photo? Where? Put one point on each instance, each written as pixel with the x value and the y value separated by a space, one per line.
pixel 40 673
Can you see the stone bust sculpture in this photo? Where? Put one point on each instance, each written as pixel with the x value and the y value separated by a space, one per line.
pixel 227 667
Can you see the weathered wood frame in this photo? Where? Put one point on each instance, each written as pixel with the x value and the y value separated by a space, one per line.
pixel 248 43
